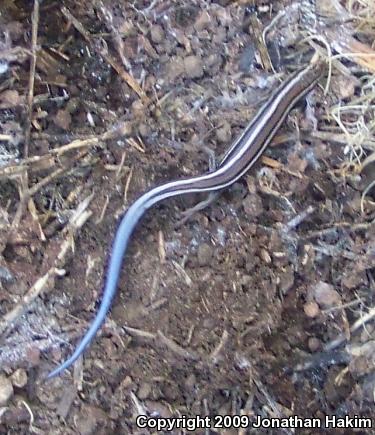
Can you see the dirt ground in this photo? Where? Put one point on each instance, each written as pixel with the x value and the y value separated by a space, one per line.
pixel 262 303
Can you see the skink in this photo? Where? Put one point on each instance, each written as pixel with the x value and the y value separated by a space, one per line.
pixel 240 157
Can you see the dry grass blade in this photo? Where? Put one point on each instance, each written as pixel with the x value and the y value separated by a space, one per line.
pixel 78 219
pixel 30 96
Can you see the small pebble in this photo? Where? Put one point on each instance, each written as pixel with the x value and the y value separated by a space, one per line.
pixel 138 109
pixel 175 68
pixel 33 356
pixel 65 401
pixel 286 280
pixel 204 254
pixel 170 392
pixel 280 258
pixel 19 378
pixel 4 66
pixel 6 275
pixel 353 280
pixel 247 58
pixel 223 16
pixel 224 133
pixel 203 21
pixel 219 36
pixel 6 390
pixel 314 344
pixel 253 205
pixel 265 256
pixel 193 66
pixel 296 164
pixel 325 295
pixel 127 28
pixel 144 391
pixel 144 130
pixel 125 128
pixel 212 60
pixel 311 309
pixel 241 362
pixel 10 98
pixel 63 119
pixel 14 28
pixel 344 87
pixel 308 257
pixel 157 34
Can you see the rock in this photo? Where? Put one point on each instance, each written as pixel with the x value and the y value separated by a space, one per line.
pixel 10 98
pixel 253 205
pixel 19 378
pixel 224 133
pixel 286 279
pixel 144 391
pixel 193 67
pixel 6 276
pixel 6 390
pixel 202 22
pixel 66 401
pixel 344 87
pixel 241 362
pixel 138 109
pixel 157 34
pixel 265 256
pixel 280 259
pixel 223 16
pixel 353 279
pixel 325 295
pixel 204 254
pixel 314 344
pixel 170 392
pixel 296 164
pixel 33 356
pixel 175 68
pixel 219 36
pixel 247 58
pixel 124 128
pixel 144 130
pixel 213 60
pixel 63 119
pixel 182 39
pixel 311 309
pixel 362 361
